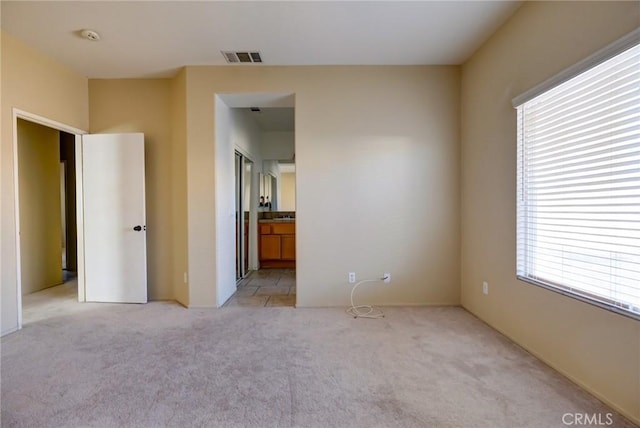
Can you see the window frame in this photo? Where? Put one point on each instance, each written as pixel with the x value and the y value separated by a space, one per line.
pixel 626 42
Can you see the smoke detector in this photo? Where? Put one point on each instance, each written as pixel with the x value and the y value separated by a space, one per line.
pixel 90 35
pixel 246 57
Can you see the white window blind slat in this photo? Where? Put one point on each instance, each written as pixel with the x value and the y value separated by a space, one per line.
pixel 625 275
pixel 596 168
pixel 578 229
pixel 586 144
pixel 604 189
pixel 584 135
pixel 619 183
pixel 595 261
pixel 603 150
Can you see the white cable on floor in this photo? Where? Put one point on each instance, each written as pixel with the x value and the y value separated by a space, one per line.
pixel 364 311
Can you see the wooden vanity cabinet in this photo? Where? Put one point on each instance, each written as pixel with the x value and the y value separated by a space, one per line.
pixel 277 247
pixel 288 247
pixel 270 247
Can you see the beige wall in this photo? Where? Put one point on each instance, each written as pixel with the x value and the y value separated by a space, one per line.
pixel 180 253
pixel 40 208
pixel 598 349
pixel 288 191
pixel 39 85
pixel 144 105
pixel 364 137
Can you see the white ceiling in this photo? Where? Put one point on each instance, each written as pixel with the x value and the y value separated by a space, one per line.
pixel 155 38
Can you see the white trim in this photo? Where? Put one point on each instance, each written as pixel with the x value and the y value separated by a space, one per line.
pixel 80 221
pixel 21 114
pixel 591 61
pixel 17 113
pixel 16 219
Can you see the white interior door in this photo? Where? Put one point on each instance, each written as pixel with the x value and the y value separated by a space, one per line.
pixel 115 244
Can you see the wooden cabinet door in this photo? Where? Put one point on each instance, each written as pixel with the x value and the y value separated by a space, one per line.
pixel 270 247
pixel 265 229
pixel 288 243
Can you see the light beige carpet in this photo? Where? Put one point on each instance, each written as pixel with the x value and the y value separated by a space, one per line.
pixel 159 365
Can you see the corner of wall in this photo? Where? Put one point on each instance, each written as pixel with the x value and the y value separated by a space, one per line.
pixel 179 229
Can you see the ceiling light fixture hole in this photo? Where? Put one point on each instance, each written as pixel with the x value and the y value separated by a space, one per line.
pixel 90 35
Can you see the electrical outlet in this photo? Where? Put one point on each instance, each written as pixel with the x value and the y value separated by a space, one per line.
pixel 485 287
pixel 387 277
pixel 352 277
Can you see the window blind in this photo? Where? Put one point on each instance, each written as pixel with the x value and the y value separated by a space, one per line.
pixel 579 185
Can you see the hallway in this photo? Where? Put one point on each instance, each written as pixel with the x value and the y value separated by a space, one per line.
pixel 265 288
pixel 52 302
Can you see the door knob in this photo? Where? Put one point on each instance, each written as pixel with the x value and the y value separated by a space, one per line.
pixel 138 228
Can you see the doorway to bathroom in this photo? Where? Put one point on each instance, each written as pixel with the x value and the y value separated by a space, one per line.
pixel 255 144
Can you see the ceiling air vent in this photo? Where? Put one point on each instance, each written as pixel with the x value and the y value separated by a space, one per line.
pixel 242 57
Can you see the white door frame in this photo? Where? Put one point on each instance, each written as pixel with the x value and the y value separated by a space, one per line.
pixel 21 114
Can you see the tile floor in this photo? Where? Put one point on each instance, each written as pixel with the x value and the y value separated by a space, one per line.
pixel 266 287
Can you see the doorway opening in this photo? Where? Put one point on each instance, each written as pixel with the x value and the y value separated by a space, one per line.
pixel 255 148
pixel 46 211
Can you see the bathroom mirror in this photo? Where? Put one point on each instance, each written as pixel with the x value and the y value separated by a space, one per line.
pixel 287 186
pixel 268 190
pixel 278 185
